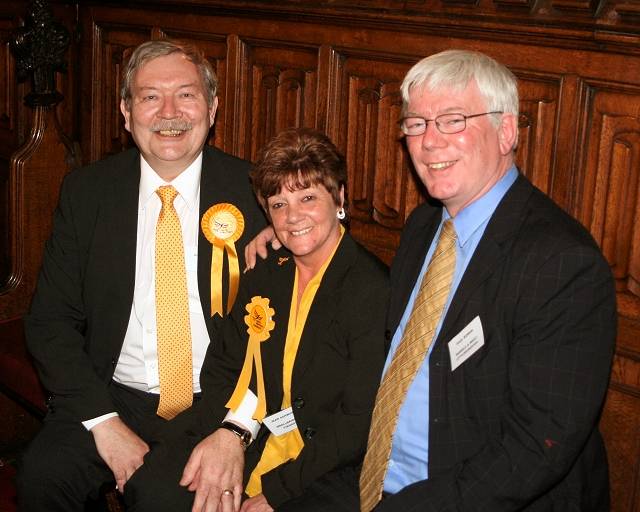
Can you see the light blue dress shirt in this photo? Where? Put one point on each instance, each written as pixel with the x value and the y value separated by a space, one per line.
pixel 410 448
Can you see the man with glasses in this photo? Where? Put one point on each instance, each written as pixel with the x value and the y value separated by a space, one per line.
pixel 501 323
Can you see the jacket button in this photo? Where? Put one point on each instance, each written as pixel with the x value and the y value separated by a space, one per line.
pixel 114 361
pixel 309 432
pixel 298 403
pixel 387 335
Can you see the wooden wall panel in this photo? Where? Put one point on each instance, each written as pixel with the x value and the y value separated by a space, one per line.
pixel 539 100
pixel 611 191
pixel 282 91
pixel 382 188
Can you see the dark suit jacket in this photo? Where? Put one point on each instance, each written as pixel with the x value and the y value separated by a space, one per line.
pixel 515 426
pixel 82 304
pixel 336 372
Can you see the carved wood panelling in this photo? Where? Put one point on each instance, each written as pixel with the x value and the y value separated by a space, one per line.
pixel 620 424
pixel 281 92
pixel 382 188
pixel 611 197
pixel 537 128
pixel 111 48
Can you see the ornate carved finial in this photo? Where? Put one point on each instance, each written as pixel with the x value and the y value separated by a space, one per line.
pixel 39 48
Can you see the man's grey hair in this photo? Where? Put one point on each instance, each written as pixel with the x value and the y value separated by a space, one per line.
pixel 160 48
pixel 454 69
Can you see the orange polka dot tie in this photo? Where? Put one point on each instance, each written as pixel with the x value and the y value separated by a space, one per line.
pixel 175 366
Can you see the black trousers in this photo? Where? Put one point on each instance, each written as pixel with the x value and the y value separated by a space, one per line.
pixel 61 467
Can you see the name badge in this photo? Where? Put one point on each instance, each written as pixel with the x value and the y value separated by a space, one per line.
pixel 466 343
pixel 281 422
pixel 191 258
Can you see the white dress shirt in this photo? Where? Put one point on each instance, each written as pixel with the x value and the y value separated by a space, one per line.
pixel 137 366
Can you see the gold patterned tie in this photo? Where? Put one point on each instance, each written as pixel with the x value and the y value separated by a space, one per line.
pixel 172 312
pixel 417 337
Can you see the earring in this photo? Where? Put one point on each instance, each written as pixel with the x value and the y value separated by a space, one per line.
pixel 341 213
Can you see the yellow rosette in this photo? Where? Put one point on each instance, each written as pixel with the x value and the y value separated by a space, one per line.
pixel 259 324
pixel 223 225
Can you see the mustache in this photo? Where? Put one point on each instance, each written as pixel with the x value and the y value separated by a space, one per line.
pixel 171 124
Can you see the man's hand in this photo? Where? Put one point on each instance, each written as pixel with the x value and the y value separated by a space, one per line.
pixel 216 465
pixel 258 246
pixel 256 504
pixel 120 448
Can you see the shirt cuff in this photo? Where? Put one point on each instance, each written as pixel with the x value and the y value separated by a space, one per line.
pixel 243 415
pixel 89 424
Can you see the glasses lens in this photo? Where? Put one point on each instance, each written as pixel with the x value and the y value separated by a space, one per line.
pixel 413 125
pixel 451 123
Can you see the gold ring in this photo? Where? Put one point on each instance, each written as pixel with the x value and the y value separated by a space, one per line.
pixel 227 492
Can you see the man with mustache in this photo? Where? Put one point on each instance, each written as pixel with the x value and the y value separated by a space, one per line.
pixel 132 290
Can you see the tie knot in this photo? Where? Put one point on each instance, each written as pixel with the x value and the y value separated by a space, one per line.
pixel 448 230
pixel 167 194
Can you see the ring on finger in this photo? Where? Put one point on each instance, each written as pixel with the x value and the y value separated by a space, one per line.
pixel 227 492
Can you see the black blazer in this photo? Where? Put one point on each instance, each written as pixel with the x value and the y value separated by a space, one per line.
pixel 515 426
pixel 84 294
pixel 336 372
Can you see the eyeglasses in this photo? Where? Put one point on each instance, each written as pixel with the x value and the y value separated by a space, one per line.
pixel 445 123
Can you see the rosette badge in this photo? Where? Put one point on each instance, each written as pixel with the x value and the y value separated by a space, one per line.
pixel 223 225
pixel 260 323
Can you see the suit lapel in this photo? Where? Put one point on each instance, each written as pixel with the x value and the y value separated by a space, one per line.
pixel 405 275
pixel 324 307
pixel 491 251
pixel 122 221
pixel 209 196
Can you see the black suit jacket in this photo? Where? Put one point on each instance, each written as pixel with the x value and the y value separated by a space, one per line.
pixel 84 294
pixel 515 426
pixel 337 367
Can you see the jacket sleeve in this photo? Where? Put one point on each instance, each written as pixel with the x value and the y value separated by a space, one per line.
pixel 56 324
pixel 559 352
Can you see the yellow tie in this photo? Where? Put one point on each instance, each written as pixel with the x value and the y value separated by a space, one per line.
pixel 408 357
pixel 172 312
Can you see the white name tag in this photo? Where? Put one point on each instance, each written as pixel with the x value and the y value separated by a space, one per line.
pixel 191 258
pixel 466 343
pixel 281 422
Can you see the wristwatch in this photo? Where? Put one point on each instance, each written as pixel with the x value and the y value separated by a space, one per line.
pixel 243 435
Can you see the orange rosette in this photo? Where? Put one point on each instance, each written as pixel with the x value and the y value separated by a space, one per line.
pixel 259 326
pixel 223 225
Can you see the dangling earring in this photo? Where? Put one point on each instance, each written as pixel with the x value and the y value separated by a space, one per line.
pixel 341 213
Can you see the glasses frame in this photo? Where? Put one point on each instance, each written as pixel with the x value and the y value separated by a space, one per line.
pixel 435 121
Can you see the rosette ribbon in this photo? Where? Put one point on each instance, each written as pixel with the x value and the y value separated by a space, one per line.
pixel 260 323
pixel 223 225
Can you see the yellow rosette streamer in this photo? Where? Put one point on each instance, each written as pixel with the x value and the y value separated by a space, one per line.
pixel 223 225
pixel 259 324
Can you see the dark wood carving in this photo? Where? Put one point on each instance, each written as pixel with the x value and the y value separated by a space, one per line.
pixel 34 176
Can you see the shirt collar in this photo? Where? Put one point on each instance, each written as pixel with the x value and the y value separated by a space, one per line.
pixel 187 183
pixel 476 214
